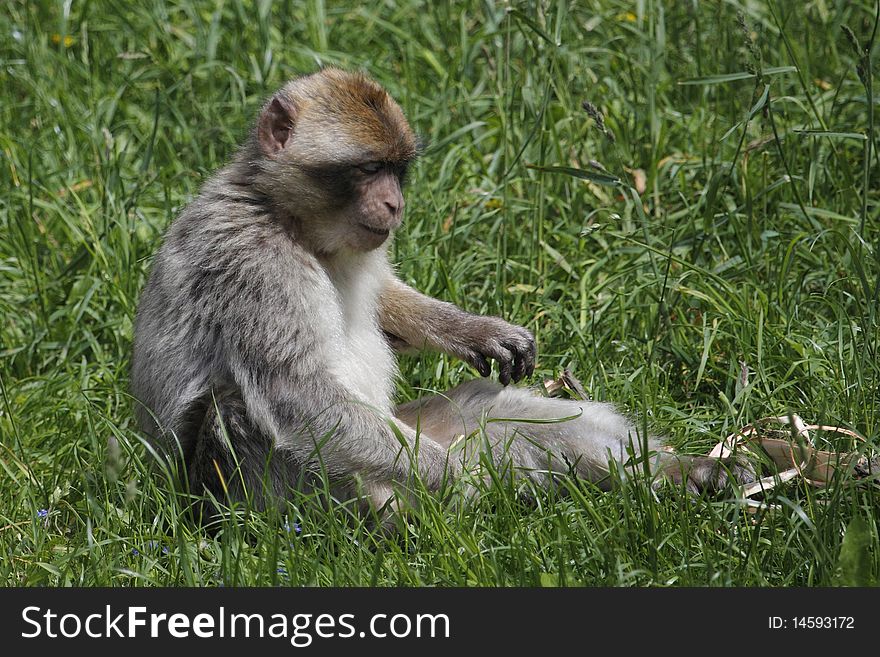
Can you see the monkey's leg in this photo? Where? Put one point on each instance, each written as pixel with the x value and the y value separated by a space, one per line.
pixel 557 437
pixel 233 461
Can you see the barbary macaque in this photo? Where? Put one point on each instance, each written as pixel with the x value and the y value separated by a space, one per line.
pixel 263 341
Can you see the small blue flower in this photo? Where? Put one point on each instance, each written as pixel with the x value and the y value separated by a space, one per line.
pixel 295 527
pixel 282 570
pixel 152 545
pixel 134 552
pixel 42 513
pixel 164 550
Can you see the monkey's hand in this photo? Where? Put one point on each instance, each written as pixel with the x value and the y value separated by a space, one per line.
pixel 425 456
pixel 485 338
pixel 412 320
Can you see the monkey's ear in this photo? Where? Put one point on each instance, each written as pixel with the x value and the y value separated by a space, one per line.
pixel 275 124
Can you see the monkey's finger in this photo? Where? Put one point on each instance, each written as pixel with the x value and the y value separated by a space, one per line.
pixel 479 361
pixel 506 367
pixel 527 358
pixel 519 364
pixel 530 356
pixel 523 369
pixel 523 357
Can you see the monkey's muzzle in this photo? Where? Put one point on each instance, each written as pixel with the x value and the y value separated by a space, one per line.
pixel 372 236
pixel 381 232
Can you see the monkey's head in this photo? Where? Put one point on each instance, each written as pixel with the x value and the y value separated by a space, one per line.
pixel 332 151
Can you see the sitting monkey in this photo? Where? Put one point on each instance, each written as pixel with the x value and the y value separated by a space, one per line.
pixel 264 336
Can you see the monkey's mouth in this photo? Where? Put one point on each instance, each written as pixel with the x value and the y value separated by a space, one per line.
pixel 381 232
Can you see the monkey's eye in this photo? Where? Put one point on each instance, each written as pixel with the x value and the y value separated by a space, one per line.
pixel 370 167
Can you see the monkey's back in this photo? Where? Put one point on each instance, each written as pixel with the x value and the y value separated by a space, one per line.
pixel 178 363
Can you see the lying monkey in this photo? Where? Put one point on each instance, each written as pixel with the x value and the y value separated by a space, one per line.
pixel 264 336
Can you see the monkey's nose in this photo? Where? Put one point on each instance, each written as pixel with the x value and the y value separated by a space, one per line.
pixel 393 208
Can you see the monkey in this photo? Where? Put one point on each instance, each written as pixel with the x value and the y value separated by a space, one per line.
pixel 265 336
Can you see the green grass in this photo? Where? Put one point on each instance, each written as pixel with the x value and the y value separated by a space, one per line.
pixel 754 244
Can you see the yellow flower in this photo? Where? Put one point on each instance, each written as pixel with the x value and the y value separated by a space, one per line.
pixel 627 16
pixel 67 40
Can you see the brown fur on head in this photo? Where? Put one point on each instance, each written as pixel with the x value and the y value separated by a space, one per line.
pixel 331 149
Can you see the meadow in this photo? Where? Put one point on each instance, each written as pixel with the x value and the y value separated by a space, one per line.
pixel 699 244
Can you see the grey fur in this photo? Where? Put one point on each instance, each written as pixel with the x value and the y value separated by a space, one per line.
pixel 260 353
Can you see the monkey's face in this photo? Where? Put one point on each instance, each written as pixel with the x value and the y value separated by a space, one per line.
pixel 377 205
pixel 355 206
pixel 337 148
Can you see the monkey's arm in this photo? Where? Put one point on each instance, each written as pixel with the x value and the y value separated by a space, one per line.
pixel 415 321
